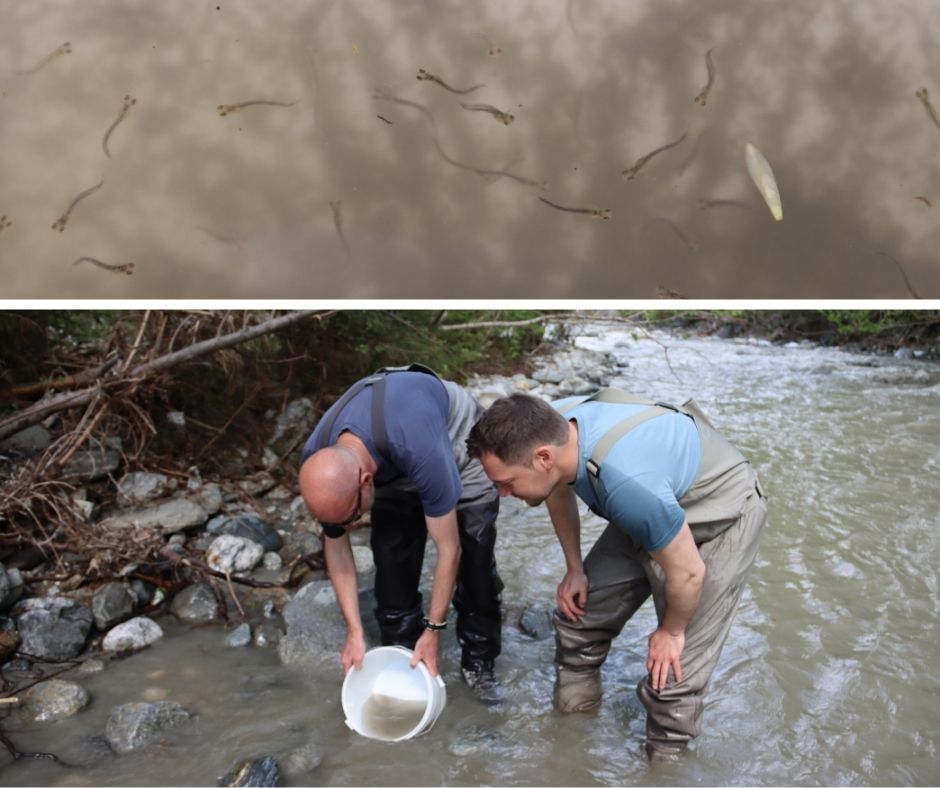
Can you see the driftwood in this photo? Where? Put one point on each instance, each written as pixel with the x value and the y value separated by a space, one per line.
pixel 118 375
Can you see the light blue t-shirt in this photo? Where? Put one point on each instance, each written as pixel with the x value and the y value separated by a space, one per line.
pixel 644 475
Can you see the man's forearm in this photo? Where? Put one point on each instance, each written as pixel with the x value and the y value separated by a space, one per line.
pixel 563 510
pixel 682 591
pixel 342 569
pixel 443 531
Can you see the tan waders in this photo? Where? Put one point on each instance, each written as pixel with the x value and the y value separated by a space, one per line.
pixel 726 511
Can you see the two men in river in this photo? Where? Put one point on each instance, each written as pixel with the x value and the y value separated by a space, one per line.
pixel 685 510
pixel 394 445
pixel 686 513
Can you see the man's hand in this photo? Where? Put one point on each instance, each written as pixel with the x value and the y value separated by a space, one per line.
pixel 664 652
pixel 426 651
pixel 353 652
pixel 572 595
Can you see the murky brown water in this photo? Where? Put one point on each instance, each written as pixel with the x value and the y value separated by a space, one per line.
pixel 828 677
pixel 351 177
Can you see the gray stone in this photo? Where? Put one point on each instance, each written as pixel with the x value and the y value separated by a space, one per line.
pixel 167 517
pixel 272 562
pixel 54 699
pixel 142 591
pixel 257 484
pixel 239 637
pixel 196 604
pixel 267 634
pixel 53 628
pixel 208 496
pixel 300 762
pixel 91 464
pixel 177 419
pixel 316 629
pixel 536 623
pixel 136 633
pixel 11 587
pixel 31 440
pixel 293 424
pixel 233 554
pixel 135 725
pixel 259 772
pixel 113 602
pixel 140 487
pixel 300 544
pixel 248 525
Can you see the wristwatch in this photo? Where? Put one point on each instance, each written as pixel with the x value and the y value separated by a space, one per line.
pixel 428 624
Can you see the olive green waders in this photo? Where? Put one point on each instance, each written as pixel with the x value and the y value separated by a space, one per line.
pixel 726 511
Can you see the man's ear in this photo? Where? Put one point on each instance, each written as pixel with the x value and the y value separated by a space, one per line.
pixel 544 457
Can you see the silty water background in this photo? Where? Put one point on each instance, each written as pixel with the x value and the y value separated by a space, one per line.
pixel 353 178
pixel 828 678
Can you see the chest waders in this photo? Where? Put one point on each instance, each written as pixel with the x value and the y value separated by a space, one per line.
pixel 399 534
pixel 726 511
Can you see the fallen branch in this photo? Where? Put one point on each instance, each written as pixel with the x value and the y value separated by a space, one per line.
pixel 132 377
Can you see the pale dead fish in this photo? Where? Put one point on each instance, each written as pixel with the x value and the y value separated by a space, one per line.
pixel 763 178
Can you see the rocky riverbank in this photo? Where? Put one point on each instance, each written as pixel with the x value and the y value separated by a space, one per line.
pixel 237 552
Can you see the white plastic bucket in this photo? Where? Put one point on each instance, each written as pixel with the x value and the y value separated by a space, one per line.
pixel 388 699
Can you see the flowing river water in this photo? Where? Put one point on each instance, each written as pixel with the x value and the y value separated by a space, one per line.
pixel 230 149
pixel 828 678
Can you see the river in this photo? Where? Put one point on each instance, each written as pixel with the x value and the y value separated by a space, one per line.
pixel 828 677
pixel 337 173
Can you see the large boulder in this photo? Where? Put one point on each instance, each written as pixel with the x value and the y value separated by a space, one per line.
pixel 135 725
pixel 53 628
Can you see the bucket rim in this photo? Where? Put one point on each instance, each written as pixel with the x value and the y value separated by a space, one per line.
pixel 434 686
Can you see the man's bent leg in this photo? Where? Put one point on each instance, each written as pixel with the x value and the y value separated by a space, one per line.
pixel 674 714
pixel 478 595
pixel 618 586
pixel 399 536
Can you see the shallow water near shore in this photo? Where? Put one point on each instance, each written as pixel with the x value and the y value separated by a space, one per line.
pixel 828 676
pixel 559 149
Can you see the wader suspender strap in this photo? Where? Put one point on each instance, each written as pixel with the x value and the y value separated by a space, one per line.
pixel 377 380
pixel 617 431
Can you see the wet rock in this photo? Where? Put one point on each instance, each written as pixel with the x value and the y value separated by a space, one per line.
pixel 316 629
pixel 167 517
pixel 239 637
pixel 90 666
pixel 301 520
pixel 95 749
pixel 904 377
pixel 267 634
pixel 196 604
pixel 292 426
pixel 53 627
pixel 53 700
pixel 300 762
pixel 113 602
pixel 365 564
pixel 135 725
pixel 208 496
pixel 536 623
pixel 134 634
pixel 249 526
pixel 260 772
pixel 11 587
pixel 480 739
pixel 140 487
pixel 234 554
pixel 272 562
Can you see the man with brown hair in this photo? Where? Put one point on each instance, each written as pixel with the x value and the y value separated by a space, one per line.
pixel 686 513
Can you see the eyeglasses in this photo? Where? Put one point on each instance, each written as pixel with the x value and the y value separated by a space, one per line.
pixel 357 515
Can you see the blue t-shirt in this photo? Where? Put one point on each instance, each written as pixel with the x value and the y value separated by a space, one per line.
pixel 416 412
pixel 645 473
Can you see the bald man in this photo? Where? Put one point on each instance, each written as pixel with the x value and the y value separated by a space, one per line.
pixel 393 446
